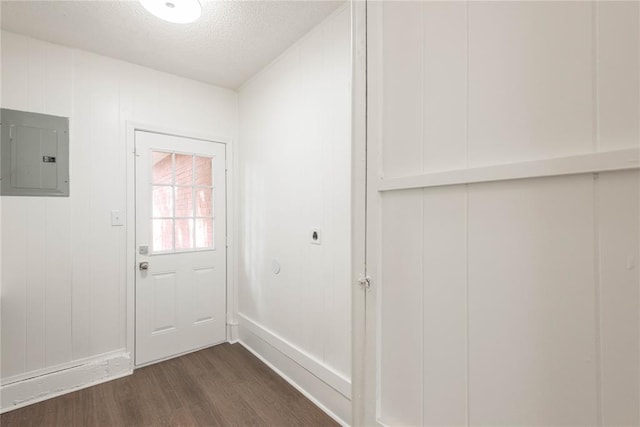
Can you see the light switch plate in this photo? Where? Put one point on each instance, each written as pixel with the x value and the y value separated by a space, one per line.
pixel 117 219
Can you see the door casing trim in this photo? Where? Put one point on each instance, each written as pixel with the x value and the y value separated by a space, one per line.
pixel 130 224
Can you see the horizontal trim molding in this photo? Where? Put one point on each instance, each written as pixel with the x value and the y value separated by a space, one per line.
pixel 101 369
pixel 326 398
pixel 60 367
pixel 606 161
pixel 310 363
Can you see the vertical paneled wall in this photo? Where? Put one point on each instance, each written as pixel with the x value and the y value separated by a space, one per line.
pixel 514 302
pixel 295 176
pixel 63 264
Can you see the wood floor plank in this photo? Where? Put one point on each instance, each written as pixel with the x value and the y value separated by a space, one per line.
pixel 223 385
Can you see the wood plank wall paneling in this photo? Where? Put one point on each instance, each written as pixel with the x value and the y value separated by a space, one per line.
pixel 512 302
pixel 445 307
pixel 295 176
pixel 618 229
pixel 618 85
pixel 401 394
pixel 532 335
pixel 63 264
pixel 530 81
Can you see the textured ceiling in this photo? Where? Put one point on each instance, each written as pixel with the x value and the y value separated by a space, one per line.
pixel 230 43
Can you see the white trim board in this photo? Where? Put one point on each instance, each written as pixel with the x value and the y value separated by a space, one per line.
pixel 359 396
pixel 53 369
pixel 232 332
pixel 332 402
pixel 607 161
pixel 316 367
pixel 95 371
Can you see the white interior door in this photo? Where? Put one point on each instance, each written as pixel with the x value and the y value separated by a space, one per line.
pixel 180 245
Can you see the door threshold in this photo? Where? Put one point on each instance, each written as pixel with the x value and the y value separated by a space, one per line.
pixel 153 362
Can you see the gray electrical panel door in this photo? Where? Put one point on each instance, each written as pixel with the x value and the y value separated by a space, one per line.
pixel 34 154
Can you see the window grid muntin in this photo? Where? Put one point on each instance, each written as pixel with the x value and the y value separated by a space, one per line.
pixel 194 237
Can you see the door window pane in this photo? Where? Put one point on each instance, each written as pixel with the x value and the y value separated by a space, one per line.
pixel 162 201
pixel 184 233
pixel 162 167
pixel 184 169
pixel 204 233
pixel 162 235
pixel 184 201
pixel 204 202
pixel 204 171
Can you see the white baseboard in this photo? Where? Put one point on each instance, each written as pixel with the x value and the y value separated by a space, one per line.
pixel 327 389
pixel 232 332
pixel 94 371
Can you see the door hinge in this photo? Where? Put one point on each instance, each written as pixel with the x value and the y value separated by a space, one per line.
pixel 364 282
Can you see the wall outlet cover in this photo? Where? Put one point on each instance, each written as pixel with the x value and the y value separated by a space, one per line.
pixel 316 236
pixel 117 219
pixel 275 267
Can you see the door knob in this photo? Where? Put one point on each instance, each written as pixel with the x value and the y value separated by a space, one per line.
pixel 144 265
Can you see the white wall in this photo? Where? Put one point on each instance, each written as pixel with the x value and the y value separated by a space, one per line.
pixel 295 176
pixel 512 302
pixel 63 264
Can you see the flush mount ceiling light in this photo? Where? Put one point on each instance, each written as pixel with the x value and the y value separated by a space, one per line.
pixel 177 11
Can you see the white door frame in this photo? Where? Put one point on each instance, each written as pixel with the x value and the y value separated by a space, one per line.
pixel 362 392
pixel 366 202
pixel 231 303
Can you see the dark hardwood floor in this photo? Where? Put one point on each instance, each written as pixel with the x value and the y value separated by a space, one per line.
pixel 221 386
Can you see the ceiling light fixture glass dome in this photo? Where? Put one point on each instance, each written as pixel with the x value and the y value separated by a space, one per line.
pixel 176 11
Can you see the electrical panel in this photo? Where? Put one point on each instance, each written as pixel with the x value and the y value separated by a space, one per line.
pixel 34 154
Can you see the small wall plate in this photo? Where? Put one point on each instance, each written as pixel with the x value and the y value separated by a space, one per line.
pixel 275 267
pixel 316 236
